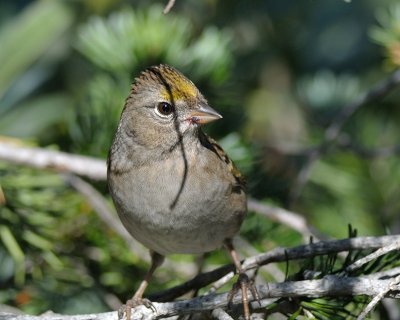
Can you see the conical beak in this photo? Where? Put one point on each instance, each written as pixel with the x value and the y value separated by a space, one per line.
pixel 204 114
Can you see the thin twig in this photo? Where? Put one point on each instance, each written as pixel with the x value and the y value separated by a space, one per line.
pixel 169 6
pixel 392 285
pixel 380 252
pixel 221 282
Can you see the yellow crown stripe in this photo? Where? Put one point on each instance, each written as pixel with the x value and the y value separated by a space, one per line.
pixel 180 88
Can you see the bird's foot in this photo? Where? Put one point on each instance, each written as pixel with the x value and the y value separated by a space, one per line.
pixel 244 284
pixel 131 303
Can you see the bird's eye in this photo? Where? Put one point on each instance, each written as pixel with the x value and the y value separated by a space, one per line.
pixel 165 109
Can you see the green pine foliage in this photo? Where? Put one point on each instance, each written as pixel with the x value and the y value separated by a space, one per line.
pixel 279 72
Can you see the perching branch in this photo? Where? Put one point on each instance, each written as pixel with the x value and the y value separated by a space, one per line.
pixel 329 286
pixel 278 255
pixel 383 284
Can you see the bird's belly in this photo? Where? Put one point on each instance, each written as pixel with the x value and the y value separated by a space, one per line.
pixel 194 218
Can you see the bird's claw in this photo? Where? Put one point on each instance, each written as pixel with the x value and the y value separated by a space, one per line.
pixel 244 283
pixel 131 303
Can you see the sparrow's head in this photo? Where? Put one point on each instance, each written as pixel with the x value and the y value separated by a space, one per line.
pixel 164 106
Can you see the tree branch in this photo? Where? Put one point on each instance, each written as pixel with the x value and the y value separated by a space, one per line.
pixel 329 286
pixel 277 255
pixel 59 161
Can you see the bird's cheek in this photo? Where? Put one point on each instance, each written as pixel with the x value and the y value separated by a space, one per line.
pixel 185 125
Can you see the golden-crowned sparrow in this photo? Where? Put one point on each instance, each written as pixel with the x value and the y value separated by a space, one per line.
pixel 174 188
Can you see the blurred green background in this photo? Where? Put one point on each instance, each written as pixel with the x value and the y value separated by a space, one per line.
pixel 278 71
